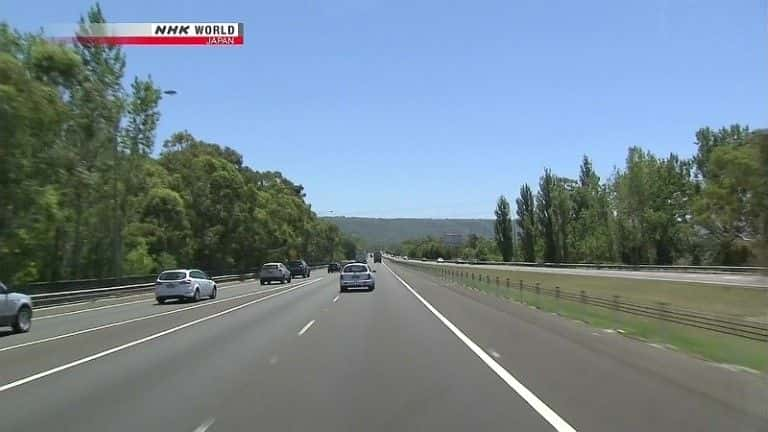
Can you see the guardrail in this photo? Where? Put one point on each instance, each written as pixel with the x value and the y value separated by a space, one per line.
pixel 639 267
pixel 56 293
pixel 753 330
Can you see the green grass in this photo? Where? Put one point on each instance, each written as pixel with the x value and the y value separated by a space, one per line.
pixel 746 303
pixel 701 343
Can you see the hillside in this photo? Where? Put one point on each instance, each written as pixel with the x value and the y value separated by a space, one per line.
pixel 385 232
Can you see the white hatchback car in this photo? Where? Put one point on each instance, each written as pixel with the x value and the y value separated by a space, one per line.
pixel 184 285
pixel 356 275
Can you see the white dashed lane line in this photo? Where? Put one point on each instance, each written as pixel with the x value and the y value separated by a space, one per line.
pixel 141 318
pixel 90 358
pixel 205 425
pixel 306 327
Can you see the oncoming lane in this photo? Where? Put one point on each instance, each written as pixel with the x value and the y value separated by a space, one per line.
pixel 27 358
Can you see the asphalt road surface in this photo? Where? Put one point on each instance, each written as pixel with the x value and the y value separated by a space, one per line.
pixel 414 355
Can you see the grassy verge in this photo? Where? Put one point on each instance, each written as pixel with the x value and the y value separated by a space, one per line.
pixel 702 343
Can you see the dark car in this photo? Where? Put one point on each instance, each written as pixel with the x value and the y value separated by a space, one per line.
pixel 334 267
pixel 377 257
pixel 299 268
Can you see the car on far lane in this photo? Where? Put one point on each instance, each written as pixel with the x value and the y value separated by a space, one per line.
pixel 184 284
pixel 334 267
pixel 299 268
pixel 15 310
pixel 356 275
pixel 274 271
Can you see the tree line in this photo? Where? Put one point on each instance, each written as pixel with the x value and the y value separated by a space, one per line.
pixel 85 194
pixel 707 209
pixel 710 209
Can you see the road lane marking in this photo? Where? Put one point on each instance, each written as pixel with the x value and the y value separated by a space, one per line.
pixel 64 305
pixel 306 327
pixel 151 337
pixel 494 353
pixel 205 425
pixel 546 412
pixel 335 299
pixel 230 284
pixel 137 319
pixel 79 311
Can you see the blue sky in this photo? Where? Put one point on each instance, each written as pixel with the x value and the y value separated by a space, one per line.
pixel 435 108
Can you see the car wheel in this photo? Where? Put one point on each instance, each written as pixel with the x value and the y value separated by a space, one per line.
pixel 160 301
pixel 23 321
pixel 372 287
pixel 213 293
pixel 289 279
pixel 261 282
pixel 196 296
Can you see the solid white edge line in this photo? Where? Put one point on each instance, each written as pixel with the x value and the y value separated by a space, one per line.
pixel 141 318
pixel 335 299
pixel 306 327
pixel 546 412
pixel 125 346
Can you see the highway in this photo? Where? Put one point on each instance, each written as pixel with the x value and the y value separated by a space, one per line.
pixel 414 355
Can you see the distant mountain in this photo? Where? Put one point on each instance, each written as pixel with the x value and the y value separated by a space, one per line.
pixel 387 232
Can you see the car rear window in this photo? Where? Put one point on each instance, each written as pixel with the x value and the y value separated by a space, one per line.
pixel 294 263
pixel 172 275
pixel 355 268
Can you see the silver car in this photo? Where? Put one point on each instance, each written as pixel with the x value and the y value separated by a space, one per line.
pixel 356 275
pixel 274 272
pixel 15 310
pixel 184 285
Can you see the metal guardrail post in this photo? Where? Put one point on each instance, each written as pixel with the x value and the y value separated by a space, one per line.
pixel 557 300
pixel 664 323
pixel 522 300
pixel 616 310
pixel 538 295
pixel 583 296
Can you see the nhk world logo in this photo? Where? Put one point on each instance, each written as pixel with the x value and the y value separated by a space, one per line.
pixel 203 33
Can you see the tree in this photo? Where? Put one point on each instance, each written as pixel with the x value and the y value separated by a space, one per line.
pixel 562 195
pixel 653 204
pixel 81 194
pixel 728 208
pixel 526 220
pixel 503 229
pixel 590 233
pixel 545 215
pixel 707 140
pixel 33 76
